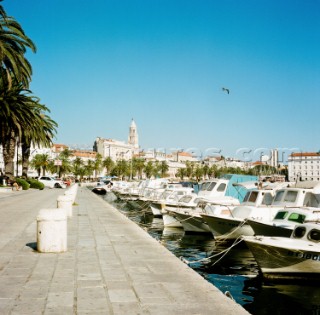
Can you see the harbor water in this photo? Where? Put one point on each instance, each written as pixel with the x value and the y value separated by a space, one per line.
pixel 232 269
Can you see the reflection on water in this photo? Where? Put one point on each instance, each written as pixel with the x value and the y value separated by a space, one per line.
pixel 233 270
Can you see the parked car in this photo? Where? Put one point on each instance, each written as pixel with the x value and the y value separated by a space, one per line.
pixel 52 182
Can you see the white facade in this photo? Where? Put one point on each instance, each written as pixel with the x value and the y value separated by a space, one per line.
pixel 116 150
pixel 33 152
pixel 304 166
pixel 119 150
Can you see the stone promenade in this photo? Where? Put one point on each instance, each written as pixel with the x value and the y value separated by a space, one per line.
pixel 112 266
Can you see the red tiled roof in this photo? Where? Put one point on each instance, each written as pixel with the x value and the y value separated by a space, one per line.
pixel 305 154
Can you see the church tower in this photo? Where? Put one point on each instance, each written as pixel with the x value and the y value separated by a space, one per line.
pixel 133 135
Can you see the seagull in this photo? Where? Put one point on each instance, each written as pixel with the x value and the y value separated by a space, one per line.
pixel 226 90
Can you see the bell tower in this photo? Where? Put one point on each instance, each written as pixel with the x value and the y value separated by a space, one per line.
pixel 133 135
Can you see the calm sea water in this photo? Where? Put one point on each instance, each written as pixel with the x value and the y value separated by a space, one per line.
pixel 233 270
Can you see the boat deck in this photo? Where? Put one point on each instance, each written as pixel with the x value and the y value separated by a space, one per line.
pixel 112 266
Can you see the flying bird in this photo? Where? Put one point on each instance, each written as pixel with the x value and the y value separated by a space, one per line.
pixel 225 90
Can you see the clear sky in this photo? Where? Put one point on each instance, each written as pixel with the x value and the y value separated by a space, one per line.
pixel 101 63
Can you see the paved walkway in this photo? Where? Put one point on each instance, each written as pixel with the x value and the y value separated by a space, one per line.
pixel 112 266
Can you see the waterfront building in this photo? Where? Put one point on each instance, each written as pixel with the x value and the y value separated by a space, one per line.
pixel 274 158
pixel 118 150
pixel 182 157
pixel 304 166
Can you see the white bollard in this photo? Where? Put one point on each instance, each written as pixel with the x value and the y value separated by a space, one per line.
pixel 52 231
pixel 65 202
pixel 72 193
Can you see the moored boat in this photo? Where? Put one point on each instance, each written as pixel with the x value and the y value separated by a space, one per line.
pixel 297 257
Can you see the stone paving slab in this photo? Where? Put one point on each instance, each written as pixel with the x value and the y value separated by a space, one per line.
pixel 112 266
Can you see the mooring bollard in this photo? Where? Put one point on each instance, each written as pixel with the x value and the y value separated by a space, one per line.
pixel 65 202
pixel 72 193
pixel 52 231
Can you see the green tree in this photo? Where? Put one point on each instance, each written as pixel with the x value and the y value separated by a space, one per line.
pixel 66 166
pixel 189 169
pixel 89 167
pixel 148 169
pixel 97 164
pixel 138 166
pixel 181 173
pixel 40 133
pixel 77 167
pixel 121 169
pixel 21 117
pixel 198 173
pixel 164 167
pixel 108 164
pixel 36 163
pixel 13 46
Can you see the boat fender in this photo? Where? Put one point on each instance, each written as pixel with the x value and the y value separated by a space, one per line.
pixel 184 260
pixel 228 294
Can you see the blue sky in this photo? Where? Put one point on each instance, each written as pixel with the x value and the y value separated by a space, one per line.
pixel 164 62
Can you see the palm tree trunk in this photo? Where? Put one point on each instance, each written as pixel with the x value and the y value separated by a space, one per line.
pixel 8 154
pixel 25 159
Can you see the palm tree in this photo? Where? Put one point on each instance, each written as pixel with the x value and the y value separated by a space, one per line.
pixel 97 164
pixel 39 133
pixel 77 166
pixel 22 117
pixel 36 163
pixel 181 173
pixel 13 46
pixel 108 164
pixel 164 168
pixel 89 167
pixel 138 166
pixel 66 166
pixel 40 162
pixel 148 169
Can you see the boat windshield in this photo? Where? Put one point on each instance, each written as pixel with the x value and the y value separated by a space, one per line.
pixel 211 186
pixel 222 187
pixel 281 215
pixel 314 235
pixel 205 185
pixel 296 217
pixel 246 196
pixel 311 200
pixel 185 199
pixel 279 195
pixel 267 199
pixel 251 196
pixel 290 196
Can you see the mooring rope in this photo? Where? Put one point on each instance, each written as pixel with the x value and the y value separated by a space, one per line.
pixel 237 241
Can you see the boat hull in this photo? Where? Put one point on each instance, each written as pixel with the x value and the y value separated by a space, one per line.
pixel 192 223
pixel 156 209
pixel 227 227
pixel 284 258
pixel 261 228
pixel 99 191
pixel 170 221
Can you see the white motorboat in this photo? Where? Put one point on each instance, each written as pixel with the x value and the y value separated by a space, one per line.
pixel 297 257
pixel 213 191
pixel 234 225
pixel 102 187
pixel 189 201
pixel 284 221
pixel 191 219
pixel 171 195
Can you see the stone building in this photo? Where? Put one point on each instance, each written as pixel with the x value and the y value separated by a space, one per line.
pixel 304 166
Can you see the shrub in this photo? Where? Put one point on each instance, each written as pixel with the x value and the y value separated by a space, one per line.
pixel 23 183
pixel 35 184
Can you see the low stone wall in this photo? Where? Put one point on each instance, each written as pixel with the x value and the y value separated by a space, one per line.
pixel 5 190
